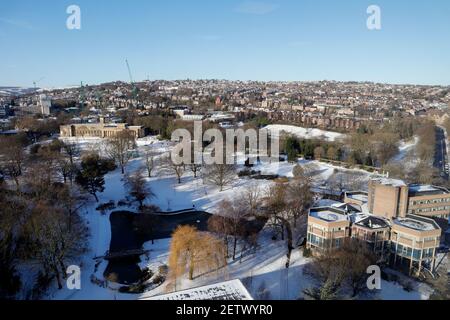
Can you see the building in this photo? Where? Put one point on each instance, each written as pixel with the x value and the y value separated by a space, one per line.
pixel 192 117
pixel 374 231
pixel 229 290
pixel 100 130
pixel 327 228
pixel 429 201
pixel 392 198
pixel 388 198
pixel 414 240
pixel 45 103
pixel 5 111
pixel 390 219
pixel 356 197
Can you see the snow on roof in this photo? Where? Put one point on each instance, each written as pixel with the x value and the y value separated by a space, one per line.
pixel 415 223
pixel 326 203
pixel 329 214
pixel 418 189
pixel 229 290
pixel 358 195
pixel 371 222
pixel 390 182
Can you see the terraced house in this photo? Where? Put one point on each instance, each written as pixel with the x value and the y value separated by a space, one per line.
pixel 392 218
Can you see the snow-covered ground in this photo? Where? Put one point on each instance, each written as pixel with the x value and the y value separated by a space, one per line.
pixel 406 152
pixel 307 133
pixel 261 271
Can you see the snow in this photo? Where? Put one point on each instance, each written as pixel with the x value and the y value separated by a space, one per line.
pixel 406 148
pixel 260 270
pixel 327 215
pixel 394 291
pixel 391 182
pixel 306 133
pixel 414 224
pixel 229 290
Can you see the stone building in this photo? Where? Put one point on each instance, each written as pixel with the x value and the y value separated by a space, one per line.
pixel 100 130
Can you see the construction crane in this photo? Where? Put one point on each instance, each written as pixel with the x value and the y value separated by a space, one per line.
pixel 134 89
pixel 36 82
pixel 82 95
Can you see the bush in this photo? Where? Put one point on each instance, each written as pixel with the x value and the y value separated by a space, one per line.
pixel 106 206
pixel 244 173
pixel 307 253
pixel 163 269
pixel 408 286
pixel 159 279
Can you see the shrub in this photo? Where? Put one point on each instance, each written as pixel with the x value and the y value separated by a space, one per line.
pixel 307 253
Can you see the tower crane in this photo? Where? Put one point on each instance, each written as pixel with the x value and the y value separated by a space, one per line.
pixel 36 82
pixel 135 90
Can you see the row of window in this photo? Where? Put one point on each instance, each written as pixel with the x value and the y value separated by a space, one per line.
pixel 432 201
pixel 399 249
pixel 433 209
pixel 407 252
pixel 322 243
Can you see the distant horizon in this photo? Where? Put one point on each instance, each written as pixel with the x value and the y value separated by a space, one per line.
pixel 228 80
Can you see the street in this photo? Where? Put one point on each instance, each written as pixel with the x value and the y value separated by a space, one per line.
pixel 441 161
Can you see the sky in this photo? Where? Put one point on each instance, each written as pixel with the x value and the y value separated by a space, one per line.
pixel 268 40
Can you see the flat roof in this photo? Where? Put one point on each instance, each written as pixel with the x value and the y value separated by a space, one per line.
pixel 328 214
pixel 390 182
pixel 417 223
pixel 419 190
pixel 358 195
pixel 229 290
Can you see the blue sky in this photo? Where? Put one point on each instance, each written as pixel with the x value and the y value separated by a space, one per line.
pixel 227 39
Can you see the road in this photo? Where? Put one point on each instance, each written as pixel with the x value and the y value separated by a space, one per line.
pixel 440 157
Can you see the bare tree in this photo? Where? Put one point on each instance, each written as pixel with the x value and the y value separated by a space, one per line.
pixel 195 168
pixel 150 162
pixel 12 157
pixel 175 168
pixel 233 214
pixel 278 214
pixel 53 241
pixel 220 175
pixel 119 147
pixel 138 188
pixel 340 268
pixel 252 199
pixel 72 150
pixel 299 198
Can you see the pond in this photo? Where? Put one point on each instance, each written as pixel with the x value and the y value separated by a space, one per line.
pixel 128 232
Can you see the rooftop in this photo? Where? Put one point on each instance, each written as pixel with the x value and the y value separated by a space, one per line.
pixel 417 223
pixel 328 214
pixel 390 182
pixel 357 195
pixel 419 190
pixel 372 222
pixel 229 290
